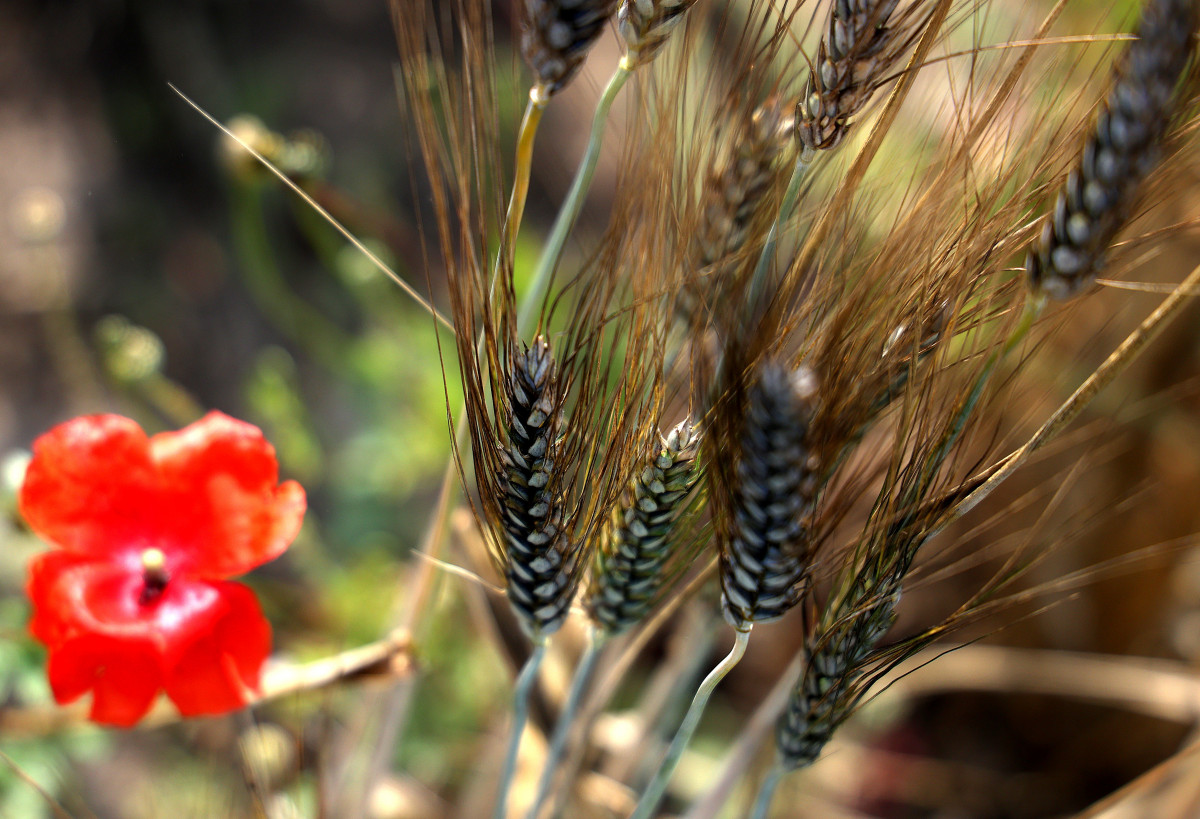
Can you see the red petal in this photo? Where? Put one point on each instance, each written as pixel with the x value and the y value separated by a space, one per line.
pixel 219 671
pixel 205 640
pixel 124 676
pixel 53 620
pixel 74 595
pixel 224 512
pixel 89 485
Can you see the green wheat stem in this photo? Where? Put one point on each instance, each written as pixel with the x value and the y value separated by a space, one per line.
pixel 597 639
pixel 791 196
pixel 571 206
pixel 658 785
pixel 521 692
pixel 766 793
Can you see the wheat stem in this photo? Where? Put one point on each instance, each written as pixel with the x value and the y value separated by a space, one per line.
pixel 571 206
pixel 766 792
pixel 658 785
pixel 521 692
pixel 739 759
pixel 522 168
pixel 597 639
pixel 790 196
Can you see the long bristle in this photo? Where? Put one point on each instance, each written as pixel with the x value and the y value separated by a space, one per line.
pixel 1119 152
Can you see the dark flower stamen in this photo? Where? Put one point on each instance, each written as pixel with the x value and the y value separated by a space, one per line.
pixel 154 576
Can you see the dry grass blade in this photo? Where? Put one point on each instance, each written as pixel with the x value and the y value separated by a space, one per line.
pixel 57 810
pixel 321 211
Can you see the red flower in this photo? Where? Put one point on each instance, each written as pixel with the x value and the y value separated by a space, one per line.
pixel 135 598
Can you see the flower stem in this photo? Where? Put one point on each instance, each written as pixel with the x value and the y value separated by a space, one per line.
pixel 525 682
pixel 766 793
pixel 579 683
pixel 571 206
pixel 658 785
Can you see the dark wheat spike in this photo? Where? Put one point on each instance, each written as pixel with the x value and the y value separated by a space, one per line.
pixel 1121 149
pixel 557 35
pixel 826 693
pixel 538 560
pixel 646 25
pixel 629 569
pixel 763 565
pixel 735 187
pixel 852 58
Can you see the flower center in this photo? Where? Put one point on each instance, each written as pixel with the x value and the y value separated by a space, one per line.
pixel 154 576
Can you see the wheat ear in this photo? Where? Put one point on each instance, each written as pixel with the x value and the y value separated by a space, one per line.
pixel 629 568
pixel 762 564
pixel 826 693
pixel 1119 152
pixel 556 36
pixel 854 58
pixel 540 579
pixel 737 183
pixel 854 54
pixel 647 24
pixel 736 193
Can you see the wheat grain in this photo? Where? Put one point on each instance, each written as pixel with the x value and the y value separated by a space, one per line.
pixel 1119 152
